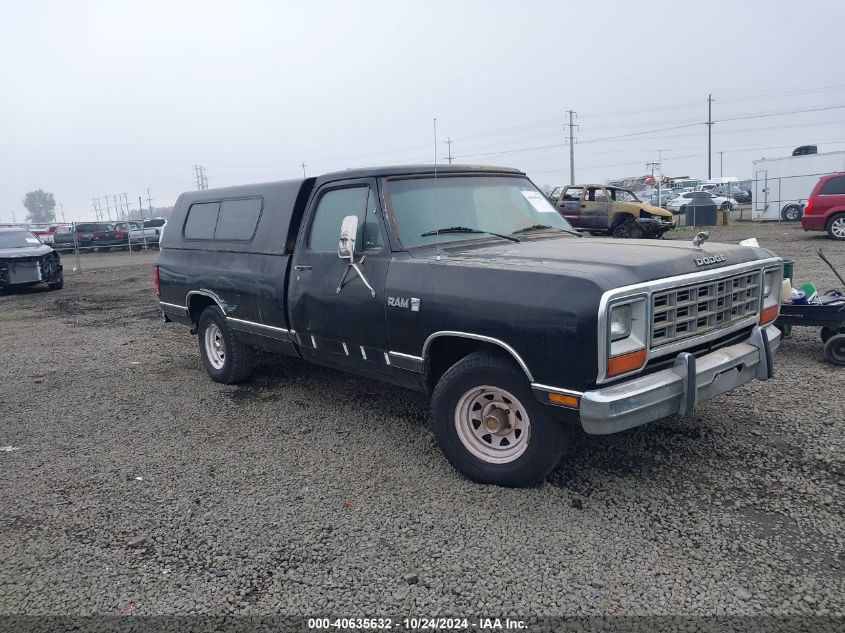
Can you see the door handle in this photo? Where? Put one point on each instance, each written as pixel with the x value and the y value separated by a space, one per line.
pixel 301 267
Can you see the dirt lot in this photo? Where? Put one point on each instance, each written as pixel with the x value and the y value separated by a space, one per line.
pixel 134 484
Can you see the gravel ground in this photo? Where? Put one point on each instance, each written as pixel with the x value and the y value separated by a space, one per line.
pixel 135 484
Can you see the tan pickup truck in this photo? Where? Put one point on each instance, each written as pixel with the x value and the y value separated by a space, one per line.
pixel 603 210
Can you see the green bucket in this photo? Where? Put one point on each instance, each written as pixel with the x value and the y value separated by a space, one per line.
pixel 788 268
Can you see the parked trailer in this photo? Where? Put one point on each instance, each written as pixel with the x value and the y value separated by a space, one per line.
pixel 782 185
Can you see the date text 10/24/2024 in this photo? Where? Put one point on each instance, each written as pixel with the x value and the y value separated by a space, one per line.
pixel 417 624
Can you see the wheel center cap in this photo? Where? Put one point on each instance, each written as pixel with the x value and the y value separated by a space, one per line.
pixel 496 420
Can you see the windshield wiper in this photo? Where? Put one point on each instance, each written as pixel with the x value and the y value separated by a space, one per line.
pixel 466 229
pixel 539 227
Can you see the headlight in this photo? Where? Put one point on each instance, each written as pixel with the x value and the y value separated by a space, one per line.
pixel 770 299
pixel 620 322
pixel 626 334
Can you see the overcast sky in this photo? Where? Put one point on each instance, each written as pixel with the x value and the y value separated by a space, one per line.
pixel 102 98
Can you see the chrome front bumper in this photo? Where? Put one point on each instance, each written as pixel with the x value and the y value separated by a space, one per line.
pixel 677 390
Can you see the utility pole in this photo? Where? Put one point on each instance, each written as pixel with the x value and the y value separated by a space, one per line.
pixel 96 210
pixel 150 203
pixel 448 142
pixel 304 165
pixel 571 126
pixel 721 164
pixel 126 206
pixel 709 136
pixel 62 207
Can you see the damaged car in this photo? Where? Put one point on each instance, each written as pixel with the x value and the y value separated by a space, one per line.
pixel 25 261
pixel 603 210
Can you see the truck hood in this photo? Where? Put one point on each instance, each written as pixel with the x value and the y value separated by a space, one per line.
pixel 610 262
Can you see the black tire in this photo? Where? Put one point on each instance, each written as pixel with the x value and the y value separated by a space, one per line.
pixel 58 283
pixel 625 228
pixel 727 206
pixel 545 437
pixel 238 359
pixel 682 210
pixel 791 213
pixel 834 349
pixel 828 332
pixel 836 227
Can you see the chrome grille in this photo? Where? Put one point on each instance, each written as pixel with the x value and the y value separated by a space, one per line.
pixel 697 309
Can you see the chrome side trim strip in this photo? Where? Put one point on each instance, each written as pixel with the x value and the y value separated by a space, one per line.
pixel 281 330
pixel 345 349
pixel 479 337
pixel 313 342
pixel 408 356
pixel 173 307
pixel 386 358
pixel 363 353
pixel 260 329
pixel 560 390
pixel 205 293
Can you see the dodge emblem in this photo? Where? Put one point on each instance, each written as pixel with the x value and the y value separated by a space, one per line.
pixel 711 259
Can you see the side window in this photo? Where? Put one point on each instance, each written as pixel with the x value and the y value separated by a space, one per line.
pixel 331 209
pixel 833 187
pixel 238 219
pixel 201 221
pixel 598 195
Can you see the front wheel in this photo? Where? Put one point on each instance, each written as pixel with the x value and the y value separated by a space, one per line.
pixel 627 228
pixel 490 426
pixel 58 282
pixel 726 206
pixel 226 359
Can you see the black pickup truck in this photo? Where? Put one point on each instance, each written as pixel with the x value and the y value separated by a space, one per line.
pixel 465 282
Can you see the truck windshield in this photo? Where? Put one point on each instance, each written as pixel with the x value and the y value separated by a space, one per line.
pixel 492 204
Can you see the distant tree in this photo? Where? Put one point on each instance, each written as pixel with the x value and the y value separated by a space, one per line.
pixel 40 206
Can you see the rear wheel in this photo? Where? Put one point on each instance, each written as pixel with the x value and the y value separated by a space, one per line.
pixel 490 426
pixel 791 213
pixel 727 206
pixel 834 349
pixel 226 359
pixel 836 227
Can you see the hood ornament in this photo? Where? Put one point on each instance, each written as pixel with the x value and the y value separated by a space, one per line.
pixel 699 239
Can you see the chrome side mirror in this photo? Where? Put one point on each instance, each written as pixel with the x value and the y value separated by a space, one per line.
pixel 346 250
pixel 348 231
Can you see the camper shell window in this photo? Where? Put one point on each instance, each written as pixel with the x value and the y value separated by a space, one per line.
pixel 233 220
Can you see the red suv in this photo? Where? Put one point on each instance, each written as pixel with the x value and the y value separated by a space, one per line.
pixel 825 209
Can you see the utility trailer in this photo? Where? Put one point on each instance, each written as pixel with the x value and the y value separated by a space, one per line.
pixel 782 185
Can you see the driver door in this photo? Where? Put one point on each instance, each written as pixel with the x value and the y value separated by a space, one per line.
pixel 343 328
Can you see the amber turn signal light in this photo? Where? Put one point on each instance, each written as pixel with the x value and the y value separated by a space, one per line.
pixel 626 362
pixel 566 401
pixel 767 315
